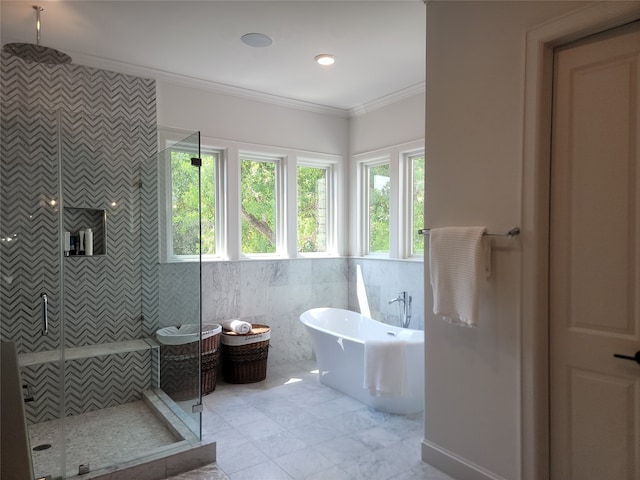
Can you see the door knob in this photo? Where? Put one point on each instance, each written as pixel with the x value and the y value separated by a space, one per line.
pixel 635 358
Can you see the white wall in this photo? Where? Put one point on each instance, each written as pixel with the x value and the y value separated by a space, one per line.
pixel 394 124
pixel 385 130
pixel 245 120
pixel 474 122
pixel 249 121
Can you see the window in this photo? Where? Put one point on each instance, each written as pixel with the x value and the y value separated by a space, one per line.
pixel 390 201
pixel 265 185
pixel 313 208
pixel 417 202
pixel 378 207
pixel 259 178
pixel 184 203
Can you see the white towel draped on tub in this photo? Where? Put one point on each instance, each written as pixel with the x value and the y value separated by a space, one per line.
pixel 384 367
pixel 237 326
pixel 458 259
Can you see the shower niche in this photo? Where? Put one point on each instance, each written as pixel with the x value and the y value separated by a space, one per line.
pixel 77 220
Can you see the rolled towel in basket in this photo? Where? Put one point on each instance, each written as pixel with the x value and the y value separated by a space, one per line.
pixel 237 326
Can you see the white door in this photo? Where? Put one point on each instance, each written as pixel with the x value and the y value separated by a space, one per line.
pixel 595 259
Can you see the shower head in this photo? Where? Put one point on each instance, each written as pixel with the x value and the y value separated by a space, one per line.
pixel 37 53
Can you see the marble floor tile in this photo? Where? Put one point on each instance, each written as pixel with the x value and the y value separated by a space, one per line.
pixel 229 437
pixel 342 449
pixel 245 416
pixel 264 471
pixel 234 459
pixel 349 423
pixel 335 407
pixel 281 444
pixel 261 429
pixel 376 437
pixel 314 433
pixel 292 418
pixel 208 472
pixel 296 428
pixel 332 473
pixel 423 472
pixel 371 467
pixel 299 465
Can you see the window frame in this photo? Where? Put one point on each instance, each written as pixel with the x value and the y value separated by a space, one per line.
pixel 228 222
pixel 408 214
pixel 331 175
pixel 280 202
pixel 364 167
pixel 400 203
pixel 218 170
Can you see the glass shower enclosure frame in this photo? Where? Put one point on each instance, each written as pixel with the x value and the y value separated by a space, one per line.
pixel 84 325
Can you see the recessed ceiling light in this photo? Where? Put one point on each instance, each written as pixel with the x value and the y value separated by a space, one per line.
pixel 325 59
pixel 257 40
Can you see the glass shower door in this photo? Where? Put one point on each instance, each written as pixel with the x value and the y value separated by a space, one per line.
pixel 182 377
pixel 31 270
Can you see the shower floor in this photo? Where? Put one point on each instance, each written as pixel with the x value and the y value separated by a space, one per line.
pixel 100 438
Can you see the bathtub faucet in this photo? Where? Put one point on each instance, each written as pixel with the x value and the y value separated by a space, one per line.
pixel 404 304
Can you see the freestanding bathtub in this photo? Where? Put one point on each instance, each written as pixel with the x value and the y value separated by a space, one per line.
pixel 338 338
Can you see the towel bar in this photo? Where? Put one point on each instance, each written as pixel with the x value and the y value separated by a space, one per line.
pixel 511 233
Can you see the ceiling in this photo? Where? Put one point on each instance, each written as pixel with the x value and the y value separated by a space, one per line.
pixel 379 45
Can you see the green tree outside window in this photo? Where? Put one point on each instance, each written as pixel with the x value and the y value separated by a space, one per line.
pixel 312 209
pixel 258 206
pixel 418 202
pixel 379 207
pixel 184 203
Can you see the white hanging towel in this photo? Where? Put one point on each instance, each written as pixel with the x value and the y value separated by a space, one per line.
pixel 459 258
pixel 384 367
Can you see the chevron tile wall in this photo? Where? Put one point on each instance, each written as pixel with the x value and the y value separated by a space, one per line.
pixel 45 383
pixel 29 216
pixel 82 138
pixel 149 241
pixel 90 384
pixel 101 382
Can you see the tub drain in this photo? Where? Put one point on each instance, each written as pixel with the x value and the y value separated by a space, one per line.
pixel 40 448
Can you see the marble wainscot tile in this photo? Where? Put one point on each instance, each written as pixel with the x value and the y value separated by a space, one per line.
pixel 279 299
pixel 301 271
pixel 221 291
pixel 254 288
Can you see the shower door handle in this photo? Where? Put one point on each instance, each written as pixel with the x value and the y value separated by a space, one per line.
pixel 45 314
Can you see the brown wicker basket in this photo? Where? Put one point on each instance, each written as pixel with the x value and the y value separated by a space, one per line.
pixel 179 368
pixel 244 357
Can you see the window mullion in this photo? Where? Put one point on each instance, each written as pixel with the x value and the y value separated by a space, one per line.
pixel 287 207
pixel 396 224
pixel 220 202
pixel 233 211
pixel 405 211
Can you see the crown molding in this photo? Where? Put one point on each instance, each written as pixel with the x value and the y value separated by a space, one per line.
pixel 221 88
pixel 187 81
pixel 388 99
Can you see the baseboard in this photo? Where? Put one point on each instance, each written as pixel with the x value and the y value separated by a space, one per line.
pixel 453 465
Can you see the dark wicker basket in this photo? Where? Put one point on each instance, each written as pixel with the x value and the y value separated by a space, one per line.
pixel 245 362
pixel 179 367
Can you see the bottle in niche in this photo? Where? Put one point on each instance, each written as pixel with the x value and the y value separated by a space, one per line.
pixel 81 237
pixel 67 243
pixel 88 242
